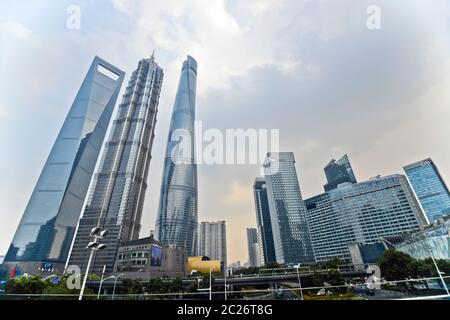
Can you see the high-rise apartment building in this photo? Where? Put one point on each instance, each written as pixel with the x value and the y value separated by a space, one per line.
pixel 47 228
pixel 266 248
pixel 430 188
pixel 177 221
pixel 361 213
pixel 291 237
pixel 253 249
pixel 118 191
pixel 213 241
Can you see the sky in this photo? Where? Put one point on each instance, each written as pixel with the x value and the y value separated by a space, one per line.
pixel 310 68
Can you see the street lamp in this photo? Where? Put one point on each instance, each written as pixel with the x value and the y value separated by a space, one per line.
pixel 115 282
pixel 210 284
pixel 299 283
pixel 97 233
pixel 100 287
pixel 428 247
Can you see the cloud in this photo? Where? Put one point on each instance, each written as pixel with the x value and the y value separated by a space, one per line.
pixel 15 29
pixel 309 68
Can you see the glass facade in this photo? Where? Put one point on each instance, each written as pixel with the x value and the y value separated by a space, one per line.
pixel 434 239
pixel 429 187
pixel 117 194
pixel 46 230
pixel 177 217
pixel 291 237
pixel 253 249
pixel 338 172
pixel 264 226
pixel 361 213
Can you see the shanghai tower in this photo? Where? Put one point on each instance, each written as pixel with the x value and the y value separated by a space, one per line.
pixel 117 194
pixel 46 231
pixel 177 217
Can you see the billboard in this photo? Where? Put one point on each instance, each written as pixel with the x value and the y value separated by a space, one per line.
pixel 156 256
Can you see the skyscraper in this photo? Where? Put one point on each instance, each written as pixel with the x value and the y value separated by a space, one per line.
pixel 177 217
pixel 429 187
pixel 213 241
pixel 287 211
pixel 253 249
pixel 338 172
pixel 118 191
pixel 361 213
pixel 46 230
pixel 264 226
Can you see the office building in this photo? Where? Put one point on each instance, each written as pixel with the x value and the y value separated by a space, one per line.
pixel 213 241
pixel 338 172
pixel 291 237
pixel 430 188
pixel 253 249
pixel 361 213
pixel 266 248
pixel 47 228
pixel 148 259
pixel 177 221
pixel 118 191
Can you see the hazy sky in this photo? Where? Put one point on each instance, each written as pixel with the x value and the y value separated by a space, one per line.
pixel 309 68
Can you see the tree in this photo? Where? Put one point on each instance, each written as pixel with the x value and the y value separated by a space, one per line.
pixel 396 265
pixel 332 263
pixel 271 265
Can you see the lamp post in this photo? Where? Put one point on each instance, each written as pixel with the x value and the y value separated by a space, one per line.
pixel 210 284
pixel 428 247
pixel 101 281
pixel 226 286
pixel 100 287
pixel 115 282
pixel 49 277
pixel 97 233
pixel 299 283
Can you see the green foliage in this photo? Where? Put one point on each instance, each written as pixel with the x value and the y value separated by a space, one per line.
pixel 396 265
pixel 25 285
pixel 271 265
pixel 332 263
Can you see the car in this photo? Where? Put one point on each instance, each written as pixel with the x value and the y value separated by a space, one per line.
pixel 370 291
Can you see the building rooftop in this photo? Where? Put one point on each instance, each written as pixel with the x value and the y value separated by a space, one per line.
pixel 147 240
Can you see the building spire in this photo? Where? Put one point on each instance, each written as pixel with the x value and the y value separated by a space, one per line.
pixel 153 56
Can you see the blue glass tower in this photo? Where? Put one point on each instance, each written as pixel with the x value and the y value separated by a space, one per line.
pixel 292 241
pixel 264 226
pixel 429 187
pixel 46 230
pixel 177 217
pixel 338 172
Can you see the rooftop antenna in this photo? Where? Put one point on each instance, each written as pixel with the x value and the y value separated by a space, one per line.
pixel 153 55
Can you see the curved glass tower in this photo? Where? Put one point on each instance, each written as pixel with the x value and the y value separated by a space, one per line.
pixel 47 228
pixel 177 217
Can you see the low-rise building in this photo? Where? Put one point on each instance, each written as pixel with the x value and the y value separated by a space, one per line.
pixel 432 239
pixel 147 259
